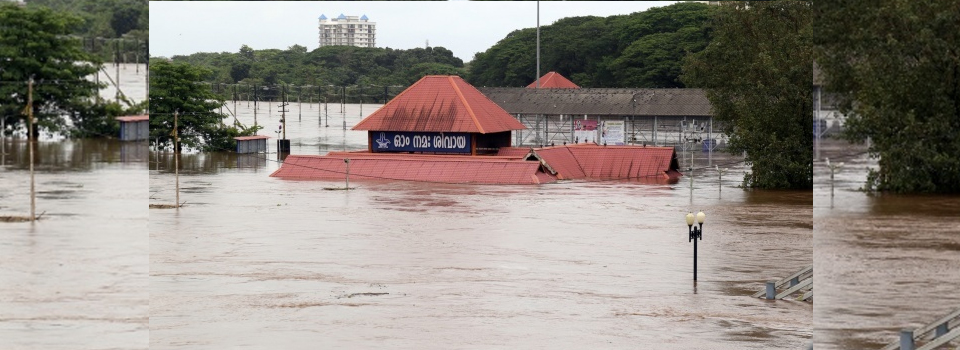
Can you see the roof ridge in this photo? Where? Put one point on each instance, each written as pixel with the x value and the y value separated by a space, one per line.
pixel 577 160
pixel 549 77
pixel 466 104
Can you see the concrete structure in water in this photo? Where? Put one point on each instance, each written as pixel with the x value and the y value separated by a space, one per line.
pixel 347 31
pixel 134 127
pixel 442 129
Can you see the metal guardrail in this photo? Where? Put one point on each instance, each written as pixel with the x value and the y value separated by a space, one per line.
pixel 798 281
pixel 944 329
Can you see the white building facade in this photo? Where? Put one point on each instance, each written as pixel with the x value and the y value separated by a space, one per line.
pixel 347 30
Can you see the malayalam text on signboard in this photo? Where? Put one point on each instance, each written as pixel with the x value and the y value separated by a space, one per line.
pixel 401 141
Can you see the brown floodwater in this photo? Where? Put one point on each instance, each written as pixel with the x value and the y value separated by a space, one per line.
pixel 78 278
pixel 259 262
pixel 883 262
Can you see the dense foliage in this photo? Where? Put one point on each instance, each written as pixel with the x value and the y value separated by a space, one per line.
pixel 174 89
pixel 642 49
pixel 757 72
pixel 103 18
pixel 34 43
pixel 328 65
pixel 114 30
pixel 896 67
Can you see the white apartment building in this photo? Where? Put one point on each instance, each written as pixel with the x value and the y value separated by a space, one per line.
pixel 347 30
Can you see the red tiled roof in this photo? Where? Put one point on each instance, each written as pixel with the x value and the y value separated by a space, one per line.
pixel 562 161
pixel 553 80
pixel 254 137
pixel 569 162
pixel 591 161
pixel 440 104
pixel 133 118
pixel 448 169
pixel 617 162
pixel 513 151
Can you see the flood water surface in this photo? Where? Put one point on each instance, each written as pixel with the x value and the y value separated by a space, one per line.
pixel 883 262
pixel 78 278
pixel 259 262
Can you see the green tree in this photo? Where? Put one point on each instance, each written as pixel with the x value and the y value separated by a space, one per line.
pixel 423 69
pixel 896 69
pixel 124 19
pixel 757 71
pixel 642 49
pixel 35 43
pixel 174 88
pixel 99 120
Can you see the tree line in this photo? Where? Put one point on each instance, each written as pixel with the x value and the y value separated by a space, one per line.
pixel 324 66
pixel 113 30
pixel 639 50
pixel 643 49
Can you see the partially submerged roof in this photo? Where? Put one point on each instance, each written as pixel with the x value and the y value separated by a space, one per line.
pixel 133 118
pixel 592 161
pixel 553 80
pixel 438 103
pixel 602 101
pixel 254 137
pixel 514 165
pixel 446 169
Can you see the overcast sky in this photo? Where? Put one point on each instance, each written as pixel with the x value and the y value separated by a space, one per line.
pixel 186 27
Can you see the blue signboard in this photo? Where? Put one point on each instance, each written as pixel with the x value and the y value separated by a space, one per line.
pixel 402 141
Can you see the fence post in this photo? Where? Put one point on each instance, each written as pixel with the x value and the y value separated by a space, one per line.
pixel 941 330
pixel 771 290
pixel 906 339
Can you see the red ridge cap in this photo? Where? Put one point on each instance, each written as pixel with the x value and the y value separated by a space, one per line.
pixel 466 104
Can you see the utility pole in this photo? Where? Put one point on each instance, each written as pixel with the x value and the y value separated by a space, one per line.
pixel 538 45
pixel 30 139
pixel 117 64
pixel 283 111
pixel 136 42
pixel 176 157
pixel 147 74
pixel 254 105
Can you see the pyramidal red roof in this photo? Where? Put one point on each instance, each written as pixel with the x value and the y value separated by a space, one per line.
pixel 553 80
pixel 440 103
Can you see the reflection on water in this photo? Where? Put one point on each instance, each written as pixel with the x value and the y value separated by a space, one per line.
pixel 256 261
pixel 208 163
pixel 884 262
pixel 77 279
pixel 70 155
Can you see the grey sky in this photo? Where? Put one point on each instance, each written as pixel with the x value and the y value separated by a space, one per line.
pixel 185 27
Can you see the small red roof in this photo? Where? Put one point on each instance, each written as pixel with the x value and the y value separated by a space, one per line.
pixel 254 137
pixel 439 103
pixel 133 118
pixel 553 80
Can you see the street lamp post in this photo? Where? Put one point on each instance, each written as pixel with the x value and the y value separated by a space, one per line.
pixel 696 233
